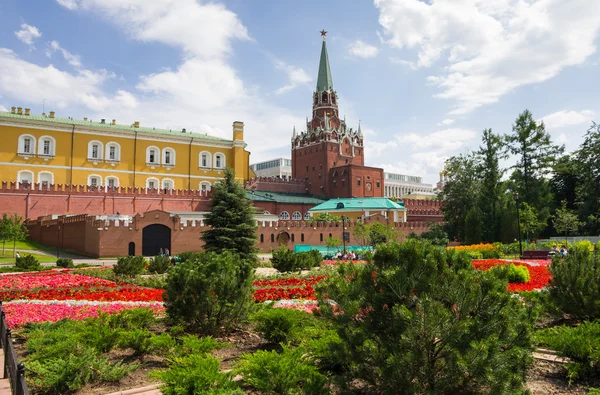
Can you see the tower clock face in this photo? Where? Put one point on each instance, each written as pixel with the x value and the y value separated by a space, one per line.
pixel 368 186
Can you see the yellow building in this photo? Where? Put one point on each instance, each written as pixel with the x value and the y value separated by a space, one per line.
pixel 49 150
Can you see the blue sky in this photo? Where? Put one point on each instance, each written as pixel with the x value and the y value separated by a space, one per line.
pixel 424 77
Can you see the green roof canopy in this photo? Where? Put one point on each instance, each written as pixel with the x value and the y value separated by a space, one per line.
pixel 324 80
pixel 263 196
pixel 358 204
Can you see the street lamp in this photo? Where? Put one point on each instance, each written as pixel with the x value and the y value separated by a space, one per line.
pixel 344 231
pixel 57 240
pixel 516 197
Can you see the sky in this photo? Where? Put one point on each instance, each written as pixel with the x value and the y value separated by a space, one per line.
pixel 424 78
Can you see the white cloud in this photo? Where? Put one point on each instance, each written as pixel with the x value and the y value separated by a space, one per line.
pixel 362 50
pixel 446 122
pixel 564 118
pixel 409 64
pixel 296 75
pixel 2 108
pixel 73 60
pixel 28 33
pixel 69 4
pixel 491 47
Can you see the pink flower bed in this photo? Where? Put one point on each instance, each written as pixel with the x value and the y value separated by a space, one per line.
pixel 18 314
pixel 31 281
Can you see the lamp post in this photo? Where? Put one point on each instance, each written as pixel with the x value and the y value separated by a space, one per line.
pixel 344 231
pixel 57 240
pixel 516 197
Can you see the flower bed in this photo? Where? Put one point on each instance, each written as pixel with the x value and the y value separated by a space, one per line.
pixel 54 295
pixel 338 261
pixel 287 282
pixel 540 275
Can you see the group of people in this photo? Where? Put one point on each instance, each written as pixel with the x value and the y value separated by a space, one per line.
pixel 346 255
pixel 164 252
pixel 562 251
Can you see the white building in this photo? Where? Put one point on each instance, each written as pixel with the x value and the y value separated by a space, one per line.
pixel 400 185
pixel 280 167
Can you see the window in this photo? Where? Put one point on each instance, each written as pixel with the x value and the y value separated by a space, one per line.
pixel 45 178
pixel 358 182
pixel 152 154
pixel 321 237
pixel 168 157
pixel 343 183
pixel 152 183
pixel 307 216
pixel 26 144
pixel 219 160
pixel 284 215
pixel 25 177
pixel 95 150
pixel 293 238
pixel 302 237
pixel 377 183
pixel 297 216
pixel 262 238
pixel 112 182
pixel 205 159
pixel 46 146
pixel 114 152
pixel 95 181
pixel 205 186
pixel 168 184
pixel 272 238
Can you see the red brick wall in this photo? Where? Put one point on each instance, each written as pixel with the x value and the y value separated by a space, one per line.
pixel 424 210
pixel 273 184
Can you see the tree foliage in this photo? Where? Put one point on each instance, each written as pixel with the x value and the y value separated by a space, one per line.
pixel 420 319
pixel 231 219
pixel 565 220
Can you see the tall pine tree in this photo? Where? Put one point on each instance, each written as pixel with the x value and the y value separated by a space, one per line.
pixel 231 219
pixel 492 187
pixel 588 194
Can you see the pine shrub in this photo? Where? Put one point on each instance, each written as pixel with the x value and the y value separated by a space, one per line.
pixel 512 273
pixel 575 284
pixel 419 319
pixel 277 325
pixel 64 262
pixel 185 256
pixel 129 265
pixel 159 264
pixel 27 262
pixel 285 260
pixel 211 292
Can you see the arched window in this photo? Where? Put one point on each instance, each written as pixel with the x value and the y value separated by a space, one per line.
pixel 302 237
pixel 284 215
pixel 47 146
pixel 168 157
pixel 25 177
pixel 296 216
pixel 45 179
pixel 205 186
pixel 94 180
pixel 272 238
pixel 111 182
pixel 113 152
pixel 293 238
pixel 152 183
pixel 307 216
pixel 262 238
pixel 95 150
pixel 26 145
pixel 205 159
pixel 321 237
pixel 324 97
pixel 152 155
pixel 168 184
pixel 219 161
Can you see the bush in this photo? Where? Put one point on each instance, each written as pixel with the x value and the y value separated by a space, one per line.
pixel 288 372
pixel 195 374
pixel 512 273
pixel 575 284
pixel 419 319
pixel 581 345
pixel 27 262
pixel 285 260
pixel 190 344
pixel 277 325
pixel 129 265
pixel 159 264
pixel 210 292
pixel 64 262
pixel 186 256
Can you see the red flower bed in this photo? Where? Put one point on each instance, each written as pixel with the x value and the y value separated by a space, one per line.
pixel 540 275
pixel 130 293
pixel 262 295
pixel 287 282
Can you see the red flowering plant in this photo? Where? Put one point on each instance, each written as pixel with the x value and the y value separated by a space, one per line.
pixel 539 275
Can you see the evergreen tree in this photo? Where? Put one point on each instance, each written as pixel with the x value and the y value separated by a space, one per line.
pixel 492 187
pixel 231 219
pixel 588 194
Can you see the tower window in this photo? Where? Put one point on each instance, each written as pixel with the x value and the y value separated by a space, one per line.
pixel 377 183
pixel 358 182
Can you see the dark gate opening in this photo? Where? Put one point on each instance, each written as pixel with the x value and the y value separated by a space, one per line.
pixel 283 238
pixel 131 250
pixel 155 237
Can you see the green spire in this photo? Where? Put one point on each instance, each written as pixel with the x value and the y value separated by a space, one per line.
pixel 324 80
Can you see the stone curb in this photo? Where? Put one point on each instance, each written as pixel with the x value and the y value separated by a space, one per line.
pixel 150 389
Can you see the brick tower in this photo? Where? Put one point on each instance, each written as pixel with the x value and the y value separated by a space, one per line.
pixel 329 155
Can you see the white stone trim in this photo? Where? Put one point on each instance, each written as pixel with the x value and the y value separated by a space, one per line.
pixel 100 150
pixel 21 145
pixel 173 159
pixel 223 160
pixel 99 177
pixel 20 178
pixel 39 177
pixel 208 160
pixel 52 151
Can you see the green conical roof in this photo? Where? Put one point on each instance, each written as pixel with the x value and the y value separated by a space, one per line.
pixel 324 80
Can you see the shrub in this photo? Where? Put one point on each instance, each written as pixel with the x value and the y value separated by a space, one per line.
pixel 277 325
pixel 129 265
pixel 580 344
pixel 143 342
pixel 64 262
pixel 575 284
pixel 491 254
pixel 419 319
pixel 27 262
pixel 191 344
pixel 512 273
pixel 474 254
pixel 130 319
pixel 195 374
pixel 285 260
pixel 159 264
pixel 210 292
pixel 288 372
pixel 186 256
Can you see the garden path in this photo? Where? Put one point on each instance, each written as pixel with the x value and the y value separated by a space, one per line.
pixel 4 384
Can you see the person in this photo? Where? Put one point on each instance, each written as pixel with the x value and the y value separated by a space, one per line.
pixel 17 255
pixel 160 252
pixel 166 251
pixel 563 251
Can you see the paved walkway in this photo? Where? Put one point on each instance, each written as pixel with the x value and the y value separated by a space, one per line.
pixel 4 383
pixel 148 390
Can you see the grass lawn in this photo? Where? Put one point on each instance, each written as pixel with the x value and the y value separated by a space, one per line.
pixel 8 258
pixel 27 245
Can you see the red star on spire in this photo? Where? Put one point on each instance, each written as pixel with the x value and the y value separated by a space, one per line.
pixel 323 33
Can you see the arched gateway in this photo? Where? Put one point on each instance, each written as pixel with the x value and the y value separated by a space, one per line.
pixel 155 237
